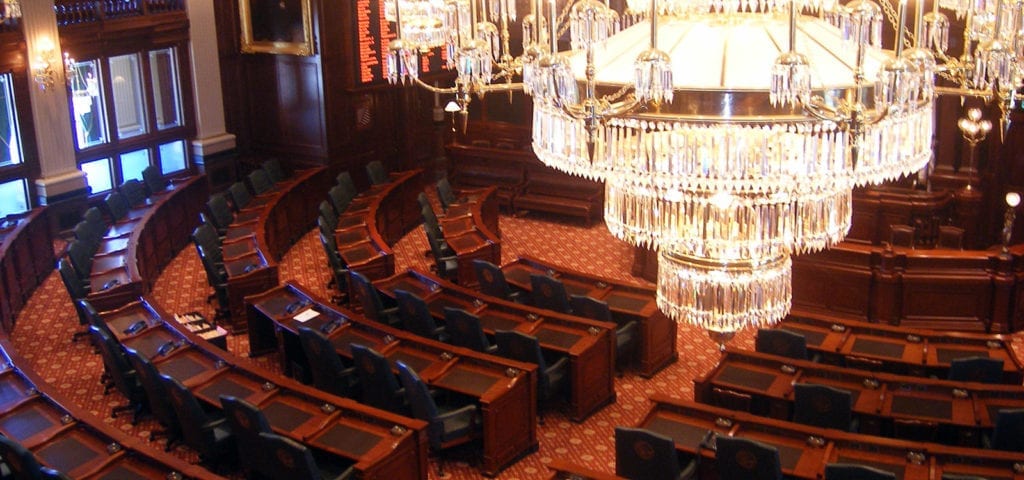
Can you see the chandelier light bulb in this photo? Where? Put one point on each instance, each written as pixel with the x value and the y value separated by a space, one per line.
pixel 1012 199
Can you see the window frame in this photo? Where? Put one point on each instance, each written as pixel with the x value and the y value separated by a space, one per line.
pixel 13 52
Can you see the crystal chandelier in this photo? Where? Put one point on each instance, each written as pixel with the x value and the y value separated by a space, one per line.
pixel 9 9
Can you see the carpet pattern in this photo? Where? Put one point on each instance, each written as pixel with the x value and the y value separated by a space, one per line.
pixel 45 326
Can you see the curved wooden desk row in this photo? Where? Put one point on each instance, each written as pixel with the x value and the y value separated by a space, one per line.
pixel 968 409
pixel 264 233
pixel 590 345
pixel 804 451
pixel 627 301
pixel 505 389
pixel 471 230
pixel 26 258
pixel 156 232
pixel 902 350
pixel 375 220
pixel 943 289
pixel 66 438
pixel 382 445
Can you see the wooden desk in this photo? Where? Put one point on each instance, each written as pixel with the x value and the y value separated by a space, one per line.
pixel 804 451
pixel 505 389
pixel 590 345
pixel 901 350
pixel 380 444
pixel 376 219
pixel 628 302
pixel 471 230
pixel 561 469
pixel 279 219
pixel 964 410
pixel 71 440
pixel 26 258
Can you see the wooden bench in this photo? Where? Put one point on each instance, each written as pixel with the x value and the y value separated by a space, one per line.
pixel 549 191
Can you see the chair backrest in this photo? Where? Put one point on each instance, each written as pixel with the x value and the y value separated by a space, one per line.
pixel 205 235
pixel 644 455
pixel 415 314
pixel 191 416
pixel 852 471
pixel 430 220
pixel 324 363
pixel 376 172
pixel 117 206
pixel 822 406
pixel 327 220
pixel 380 387
pixel 951 237
pixel 213 276
pixel 976 369
pixel 260 181
pixel 339 200
pixel 220 211
pixel 94 216
pixel 901 235
pixel 287 458
pixel 525 348
pixel 445 193
pixel 464 329
pixel 134 192
pixel 72 282
pixel 247 422
pixel 347 189
pixel 492 279
pixel 436 242
pixel 331 251
pixel 549 293
pixel 274 170
pixel 114 361
pixel 155 182
pixel 1009 430
pixel 81 258
pixel 368 296
pixel 421 403
pixel 424 202
pixel 745 459
pixel 21 461
pixel 240 196
pixel 592 308
pixel 92 317
pixel 156 392
pixel 782 342
pixel 84 232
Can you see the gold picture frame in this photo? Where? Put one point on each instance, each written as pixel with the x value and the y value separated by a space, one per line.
pixel 277 26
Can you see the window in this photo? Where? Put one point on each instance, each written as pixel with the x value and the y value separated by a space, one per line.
pixel 13 197
pixel 10 138
pixel 128 115
pixel 14 192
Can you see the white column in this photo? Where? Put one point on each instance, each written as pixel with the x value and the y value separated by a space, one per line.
pixel 211 136
pixel 59 173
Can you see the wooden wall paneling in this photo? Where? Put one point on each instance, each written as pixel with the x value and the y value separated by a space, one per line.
pixel 834 281
pixel 956 302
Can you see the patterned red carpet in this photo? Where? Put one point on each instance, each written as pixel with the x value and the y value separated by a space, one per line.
pixel 45 326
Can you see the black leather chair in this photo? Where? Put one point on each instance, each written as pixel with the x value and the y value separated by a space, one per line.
pixel 287 458
pixel 446 264
pixel 446 195
pixel 93 318
pixel 121 373
pixel 156 399
pixel 21 462
pixel 823 406
pixel 376 172
pixel 549 293
pixel 644 455
pixel 552 374
pixel 208 435
pixel 154 180
pixel 240 197
pixel 260 181
pixel 344 179
pixel 379 385
pixel 274 170
pixel 492 281
pixel 627 335
pixel 117 207
pixel 976 369
pixel 217 279
pixel 745 459
pixel 339 270
pixel 416 317
pixel 464 330
pixel 134 193
pixel 247 422
pixel 329 372
pixel 205 235
pixel 448 425
pixel 370 299
pixel 76 290
pixel 339 199
pixel 222 217
pixel 81 259
pixel 781 342
pixel 327 220
pixel 1008 434
pixel 851 471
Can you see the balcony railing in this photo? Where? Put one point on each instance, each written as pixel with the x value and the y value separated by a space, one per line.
pixel 79 12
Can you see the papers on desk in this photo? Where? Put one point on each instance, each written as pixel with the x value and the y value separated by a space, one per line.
pixel 306 315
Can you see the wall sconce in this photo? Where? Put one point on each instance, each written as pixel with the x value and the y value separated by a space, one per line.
pixel 42 67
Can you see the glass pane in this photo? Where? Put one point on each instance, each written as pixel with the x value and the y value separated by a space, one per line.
pixel 163 68
pixel 133 163
pixel 97 175
pixel 87 104
pixel 126 86
pixel 13 197
pixel 10 138
pixel 172 157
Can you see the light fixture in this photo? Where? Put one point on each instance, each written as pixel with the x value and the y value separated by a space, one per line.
pixel 43 71
pixel 974 129
pixel 1012 200
pixel 9 10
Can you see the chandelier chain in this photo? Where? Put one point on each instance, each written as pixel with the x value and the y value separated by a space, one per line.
pixel 892 16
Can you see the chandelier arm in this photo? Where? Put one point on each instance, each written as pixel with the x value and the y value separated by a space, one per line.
pixel 985 95
pixel 818 109
pixel 432 89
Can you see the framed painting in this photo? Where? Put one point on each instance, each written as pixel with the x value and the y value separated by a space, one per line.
pixel 276 26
